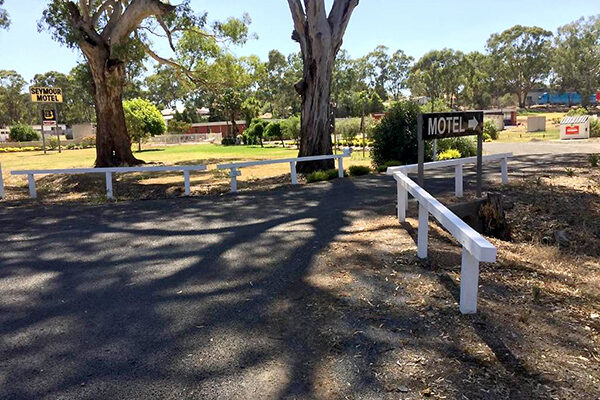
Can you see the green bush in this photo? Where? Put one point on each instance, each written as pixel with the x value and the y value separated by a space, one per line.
pixel 594 159
pixel 489 128
pixel 256 131
pixel 23 133
pixel 384 167
pixel 449 154
pixel 395 137
pixel 574 112
pixel 465 145
pixel 319 176
pixel 228 141
pixel 18 149
pixel 52 142
pixel 359 170
pixel 594 127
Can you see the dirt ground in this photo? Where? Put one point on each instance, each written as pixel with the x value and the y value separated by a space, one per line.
pixel 537 333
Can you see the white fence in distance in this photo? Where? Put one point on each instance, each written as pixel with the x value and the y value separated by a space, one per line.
pixel 475 248
pixel 234 167
pixel 108 172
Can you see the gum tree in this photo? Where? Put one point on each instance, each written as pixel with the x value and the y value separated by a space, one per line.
pixel 320 36
pixel 113 35
pixel 4 20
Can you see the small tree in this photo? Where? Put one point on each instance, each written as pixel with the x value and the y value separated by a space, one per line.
pixel 175 127
pixel 23 133
pixel 143 120
pixel 256 131
pixel 273 131
pixel 395 137
pixel 291 129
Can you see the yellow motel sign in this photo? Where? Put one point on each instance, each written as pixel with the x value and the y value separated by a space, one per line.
pixel 46 95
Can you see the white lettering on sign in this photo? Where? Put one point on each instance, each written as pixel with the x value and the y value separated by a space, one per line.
pixel 447 125
pixel 450 125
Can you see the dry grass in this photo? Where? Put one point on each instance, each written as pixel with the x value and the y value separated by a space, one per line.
pixel 537 334
pixel 91 188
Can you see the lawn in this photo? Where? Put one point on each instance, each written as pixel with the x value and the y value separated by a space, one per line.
pixel 131 186
pixel 519 133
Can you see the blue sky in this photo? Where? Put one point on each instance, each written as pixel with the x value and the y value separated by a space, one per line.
pixel 413 26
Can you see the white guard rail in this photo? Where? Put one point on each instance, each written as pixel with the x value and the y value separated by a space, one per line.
pixel 1 184
pixel 108 172
pixel 234 167
pixel 475 248
pixel 458 168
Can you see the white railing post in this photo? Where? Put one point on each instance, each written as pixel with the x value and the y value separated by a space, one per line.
pixel 402 202
pixel 186 182
pixel 458 180
pixel 469 283
pixel 341 167
pixel 32 192
pixel 294 174
pixel 423 232
pixel 504 169
pixel 109 185
pixel 1 183
pixel 233 173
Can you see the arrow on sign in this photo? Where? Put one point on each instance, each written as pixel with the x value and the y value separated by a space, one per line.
pixel 473 123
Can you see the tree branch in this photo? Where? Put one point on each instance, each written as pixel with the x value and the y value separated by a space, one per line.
pixel 339 17
pixel 135 13
pixel 299 18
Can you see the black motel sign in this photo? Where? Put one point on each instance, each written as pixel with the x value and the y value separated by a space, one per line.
pixel 451 124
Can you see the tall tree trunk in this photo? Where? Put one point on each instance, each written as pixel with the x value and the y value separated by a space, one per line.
pixel 113 144
pixel 315 125
pixel 320 37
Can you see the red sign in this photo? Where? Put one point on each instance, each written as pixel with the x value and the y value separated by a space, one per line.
pixel 572 130
pixel 597 97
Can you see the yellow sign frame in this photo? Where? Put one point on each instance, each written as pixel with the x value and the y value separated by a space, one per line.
pixel 46 95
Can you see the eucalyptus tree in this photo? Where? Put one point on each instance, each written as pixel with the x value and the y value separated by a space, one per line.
pixel 521 58
pixel 577 57
pixel 113 35
pixel 398 72
pixel 4 19
pixel 320 35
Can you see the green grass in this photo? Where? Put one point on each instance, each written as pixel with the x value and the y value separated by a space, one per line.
pixel 204 153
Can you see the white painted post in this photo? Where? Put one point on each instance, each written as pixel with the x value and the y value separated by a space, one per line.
pixel 109 185
pixel 423 232
pixel 504 169
pixel 469 283
pixel 402 202
pixel 458 180
pixel 1 183
pixel 186 181
pixel 341 167
pixel 233 173
pixel 294 174
pixel 32 192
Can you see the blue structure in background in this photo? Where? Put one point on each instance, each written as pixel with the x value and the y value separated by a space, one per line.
pixel 567 99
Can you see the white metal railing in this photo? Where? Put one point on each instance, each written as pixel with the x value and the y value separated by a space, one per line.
pixel 234 167
pixel 108 172
pixel 475 248
pixel 458 164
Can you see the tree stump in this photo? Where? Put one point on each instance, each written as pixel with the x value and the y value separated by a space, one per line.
pixel 494 218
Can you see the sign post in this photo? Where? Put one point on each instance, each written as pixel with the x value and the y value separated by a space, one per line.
pixel 45 95
pixel 433 126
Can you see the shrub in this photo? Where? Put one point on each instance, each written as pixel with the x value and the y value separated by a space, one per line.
pixel 594 159
pixel 594 127
pixel 319 176
pixel 384 167
pixel 273 131
pixel 291 128
pixel 395 137
pixel 23 133
pixel 228 141
pixel 449 154
pixel 573 112
pixel 359 170
pixel 489 128
pixel 88 141
pixel 52 142
pixel 256 131
pixel 466 146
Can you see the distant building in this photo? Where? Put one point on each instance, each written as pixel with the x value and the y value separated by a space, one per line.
pixel 502 117
pixel 222 127
pixel 4 134
pixel 169 113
